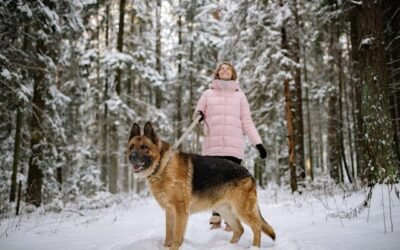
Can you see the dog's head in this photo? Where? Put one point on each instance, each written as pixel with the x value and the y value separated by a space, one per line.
pixel 143 151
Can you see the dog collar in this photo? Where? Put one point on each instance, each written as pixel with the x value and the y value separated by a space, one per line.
pixel 155 171
pixel 168 154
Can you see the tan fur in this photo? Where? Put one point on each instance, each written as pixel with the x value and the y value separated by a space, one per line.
pixel 171 186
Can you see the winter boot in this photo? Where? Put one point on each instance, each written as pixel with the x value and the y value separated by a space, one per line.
pixel 215 221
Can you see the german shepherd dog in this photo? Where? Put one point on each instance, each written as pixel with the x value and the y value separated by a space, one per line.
pixel 184 183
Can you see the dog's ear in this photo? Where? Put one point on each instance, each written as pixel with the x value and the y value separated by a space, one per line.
pixel 135 131
pixel 149 132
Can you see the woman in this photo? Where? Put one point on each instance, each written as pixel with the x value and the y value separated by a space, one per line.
pixel 226 112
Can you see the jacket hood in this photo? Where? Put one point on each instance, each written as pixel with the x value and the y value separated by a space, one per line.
pixel 225 85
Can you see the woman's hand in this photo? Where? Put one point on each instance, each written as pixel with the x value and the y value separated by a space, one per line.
pixel 262 151
pixel 201 114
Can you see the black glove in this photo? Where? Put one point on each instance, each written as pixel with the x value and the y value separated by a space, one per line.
pixel 202 116
pixel 262 151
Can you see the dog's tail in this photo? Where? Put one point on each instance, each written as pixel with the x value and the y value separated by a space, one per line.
pixel 265 227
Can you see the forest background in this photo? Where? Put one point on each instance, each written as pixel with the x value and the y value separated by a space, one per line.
pixel 322 78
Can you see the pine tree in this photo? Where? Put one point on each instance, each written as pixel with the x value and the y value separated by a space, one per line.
pixel 377 148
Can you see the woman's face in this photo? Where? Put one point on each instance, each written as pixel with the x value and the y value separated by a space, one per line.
pixel 225 72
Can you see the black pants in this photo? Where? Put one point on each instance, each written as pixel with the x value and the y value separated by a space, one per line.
pixel 230 158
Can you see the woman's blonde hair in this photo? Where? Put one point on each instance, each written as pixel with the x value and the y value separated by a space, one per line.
pixel 216 72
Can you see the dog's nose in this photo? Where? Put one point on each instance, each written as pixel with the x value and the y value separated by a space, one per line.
pixel 133 156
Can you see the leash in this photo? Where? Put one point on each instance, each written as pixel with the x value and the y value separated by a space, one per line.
pixel 180 140
pixel 177 143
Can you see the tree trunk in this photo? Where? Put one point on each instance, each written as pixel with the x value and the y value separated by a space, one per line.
pixel 356 92
pixel 334 157
pixel 392 33
pixel 320 135
pixel 298 101
pixel 289 115
pixel 258 171
pixel 120 42
pixel 130 92
pixel 18 198
pixel 114 160
pixel 192 68
pixel 341 120
pixel 158 53
pixel 178 120
pixel 378 128
pixel 17 145
pixel 35 173
pixel 104 131
pixel 310 147
pixel 310 170
pixel 348 96
pixel 113 187
pixel 333 150
pixel 59 83
pixel 290 136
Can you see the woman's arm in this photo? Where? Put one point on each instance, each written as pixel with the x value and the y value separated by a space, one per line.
pixel 201 105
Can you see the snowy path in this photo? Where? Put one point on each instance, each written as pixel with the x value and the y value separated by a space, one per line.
pixel 299 222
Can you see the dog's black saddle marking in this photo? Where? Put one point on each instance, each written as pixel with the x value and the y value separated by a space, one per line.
pixel 211 171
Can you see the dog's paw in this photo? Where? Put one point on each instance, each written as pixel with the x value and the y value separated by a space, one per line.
pixel 168 244
pixel 254 248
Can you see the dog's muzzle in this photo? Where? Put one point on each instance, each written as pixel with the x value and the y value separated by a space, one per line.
pixel 138 162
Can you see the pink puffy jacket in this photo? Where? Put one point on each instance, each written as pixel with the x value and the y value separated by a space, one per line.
pixel 228 118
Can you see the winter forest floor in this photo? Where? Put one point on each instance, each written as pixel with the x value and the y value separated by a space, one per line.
pixel 314 220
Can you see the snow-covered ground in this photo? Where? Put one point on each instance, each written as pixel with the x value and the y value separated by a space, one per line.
pixel 305 221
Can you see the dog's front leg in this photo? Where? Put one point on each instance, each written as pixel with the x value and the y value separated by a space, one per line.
pixel 180 215
pixel 169 223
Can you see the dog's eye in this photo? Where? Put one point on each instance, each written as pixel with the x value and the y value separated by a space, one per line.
pixel 143 147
